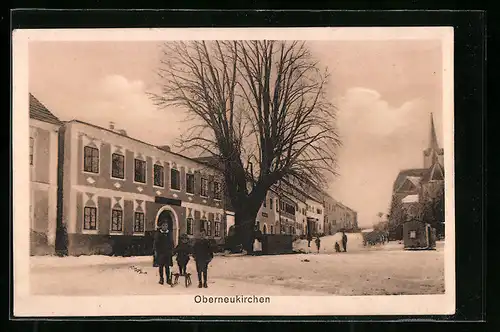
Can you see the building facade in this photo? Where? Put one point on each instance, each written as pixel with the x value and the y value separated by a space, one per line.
pixel 301 218
pixel 331 218
pixel 267 217
pixel 43 156
pixel 116 186
pixel 287 207
pixel 315 216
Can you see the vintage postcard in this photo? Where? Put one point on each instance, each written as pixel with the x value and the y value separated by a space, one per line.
pixel 233 172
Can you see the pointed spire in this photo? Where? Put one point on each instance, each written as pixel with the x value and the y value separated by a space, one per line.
pixel 433 142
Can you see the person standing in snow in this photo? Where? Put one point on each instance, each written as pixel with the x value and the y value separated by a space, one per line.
pixel 318 243
pixel 203 255
pixel 182 250
pixel 309 239
pixel 162 248
pixel 337 247
pixel 344 241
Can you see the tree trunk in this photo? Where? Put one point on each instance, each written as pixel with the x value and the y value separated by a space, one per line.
pixel 245 227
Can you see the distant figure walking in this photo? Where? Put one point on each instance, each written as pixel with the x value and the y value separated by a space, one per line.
pixel 309 239
pixel 337 247
pixel 344 241
pixel 163 252
pixel 203 255
pixel 318 243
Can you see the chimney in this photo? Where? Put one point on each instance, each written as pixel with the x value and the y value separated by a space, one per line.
pixel 165 148
pixel 111 125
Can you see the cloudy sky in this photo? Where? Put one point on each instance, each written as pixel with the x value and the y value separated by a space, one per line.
pixel 384 92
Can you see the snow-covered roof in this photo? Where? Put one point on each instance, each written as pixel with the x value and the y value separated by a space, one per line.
pixel 410 199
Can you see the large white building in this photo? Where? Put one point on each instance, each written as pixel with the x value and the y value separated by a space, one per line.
pixel 43 158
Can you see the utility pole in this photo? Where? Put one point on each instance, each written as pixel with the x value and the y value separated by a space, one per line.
pixel 279 209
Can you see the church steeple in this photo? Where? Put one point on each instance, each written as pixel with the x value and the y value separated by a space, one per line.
pixel 433 154
pixel 433 142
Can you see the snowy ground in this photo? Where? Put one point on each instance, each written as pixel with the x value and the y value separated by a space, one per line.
pixel 380 270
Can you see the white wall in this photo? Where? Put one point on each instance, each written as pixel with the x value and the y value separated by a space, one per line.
pixel 229 221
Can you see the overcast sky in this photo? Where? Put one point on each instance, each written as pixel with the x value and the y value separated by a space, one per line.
pixel 384 92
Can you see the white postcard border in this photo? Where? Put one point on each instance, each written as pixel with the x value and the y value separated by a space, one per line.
pixel 29 305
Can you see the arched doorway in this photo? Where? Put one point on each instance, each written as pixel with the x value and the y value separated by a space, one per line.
pixel 168 215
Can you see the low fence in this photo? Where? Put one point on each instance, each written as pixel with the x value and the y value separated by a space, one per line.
pixel 274 244
pixel 132 245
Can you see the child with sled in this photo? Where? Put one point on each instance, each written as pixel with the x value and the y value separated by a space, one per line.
pixel 182 251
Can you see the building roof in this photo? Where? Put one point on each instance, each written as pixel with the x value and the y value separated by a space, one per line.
pixel 435 172
pixel 217 163
pixel 415 180
pixel 123 134
pixel 414 172
pixel 211 161
pixel 38 111
pixel 410 199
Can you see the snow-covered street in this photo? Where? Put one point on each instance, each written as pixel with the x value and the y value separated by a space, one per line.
pixel 381 270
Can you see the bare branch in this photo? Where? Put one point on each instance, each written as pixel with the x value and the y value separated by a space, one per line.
pixel 260 103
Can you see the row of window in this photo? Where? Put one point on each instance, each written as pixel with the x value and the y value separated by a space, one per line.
pixel 91 165
pixel 312 209
pixel 90 222
pixel 333 222
pixel 290 230
pixel 283 206
pixel 203 224
pixel 290 208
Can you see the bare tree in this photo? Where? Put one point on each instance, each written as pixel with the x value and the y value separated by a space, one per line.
pixel 397 215
pixel 433 209
pixel 260 109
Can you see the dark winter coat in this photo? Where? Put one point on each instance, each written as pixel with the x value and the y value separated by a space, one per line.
pixel 318 242
pixel 163 247
pixel 202 251
pixel 344 238
pixel 182 250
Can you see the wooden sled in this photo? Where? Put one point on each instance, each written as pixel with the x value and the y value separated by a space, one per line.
pixel 175 279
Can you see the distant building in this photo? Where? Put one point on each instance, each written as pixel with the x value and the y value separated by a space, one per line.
pixel 331 217
pixel 267 217
pixel 43 157
pixel 412 187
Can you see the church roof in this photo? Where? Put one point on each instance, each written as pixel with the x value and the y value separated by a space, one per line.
pixel 404 174
pixel 415 180
pixel 435 172
pixel 410 199
pixel 38 111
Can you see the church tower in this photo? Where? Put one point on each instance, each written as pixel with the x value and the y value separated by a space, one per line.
pixel 433 153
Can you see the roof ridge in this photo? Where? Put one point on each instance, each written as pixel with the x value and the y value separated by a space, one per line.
pixel 39 111
pixel 140 141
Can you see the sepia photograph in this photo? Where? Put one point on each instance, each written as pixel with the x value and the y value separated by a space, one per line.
pixel 233 172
